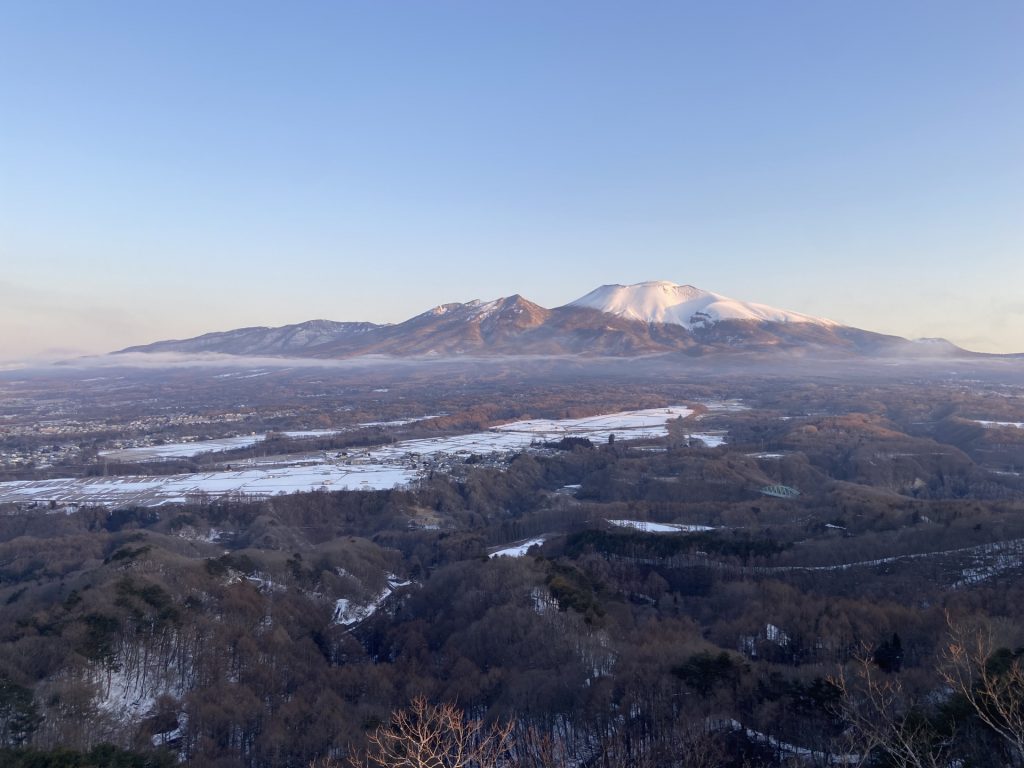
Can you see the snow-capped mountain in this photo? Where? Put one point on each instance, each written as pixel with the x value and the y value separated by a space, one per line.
pixel 660 301
pixel 614 320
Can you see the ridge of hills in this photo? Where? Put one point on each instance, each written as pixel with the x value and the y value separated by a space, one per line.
pixel 651 318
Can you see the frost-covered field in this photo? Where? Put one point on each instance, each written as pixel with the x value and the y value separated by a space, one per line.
pixel 627 425
pixel 155 490
pixel 181 450
pixel 647 527
pixel 196 447
pixel 376 469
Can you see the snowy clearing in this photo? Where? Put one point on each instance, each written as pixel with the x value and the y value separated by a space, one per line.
pixel 153 490
pixel 185 450
pixel 349 613
pixel 518 550
pixel 181 450
pixel 627 425
pixel 648 527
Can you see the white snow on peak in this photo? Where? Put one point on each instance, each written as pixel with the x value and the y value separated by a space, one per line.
pixel 474 309
pixel 484 310
pixel 470 310
pixel 444 309
pixel 661 301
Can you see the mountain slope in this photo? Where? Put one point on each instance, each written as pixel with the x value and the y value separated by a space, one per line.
pixel 287 340
pixel 660 301
pixel 614 320
pixel 448 329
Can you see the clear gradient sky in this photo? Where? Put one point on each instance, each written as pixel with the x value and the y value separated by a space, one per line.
pixel 173 168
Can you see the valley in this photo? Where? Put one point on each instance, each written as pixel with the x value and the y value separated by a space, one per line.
pixel 321 544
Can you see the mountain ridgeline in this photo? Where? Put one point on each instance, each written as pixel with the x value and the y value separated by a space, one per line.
pixel 614 320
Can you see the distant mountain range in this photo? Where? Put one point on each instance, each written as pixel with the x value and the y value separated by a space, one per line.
pixel 614 320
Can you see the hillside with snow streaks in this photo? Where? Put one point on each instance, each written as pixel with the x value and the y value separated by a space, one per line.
pixel 349 613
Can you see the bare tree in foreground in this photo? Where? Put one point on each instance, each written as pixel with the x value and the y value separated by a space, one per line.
pixel 991 680
pixel 428 735
pixel 884 719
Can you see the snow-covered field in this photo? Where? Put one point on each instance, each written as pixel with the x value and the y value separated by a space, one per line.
pixel 191 448
pixel 181 450
pixel 627 425
pixel 648 527
pixel 153 490
pixel 376 469
pixel 196 447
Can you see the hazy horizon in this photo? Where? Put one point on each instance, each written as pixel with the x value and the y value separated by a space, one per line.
pixel 170 171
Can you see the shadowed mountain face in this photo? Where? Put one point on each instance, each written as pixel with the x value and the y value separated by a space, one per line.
pixel 619 321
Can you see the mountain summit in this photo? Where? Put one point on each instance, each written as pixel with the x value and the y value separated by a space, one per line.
pixel 660 301
pixel 649 318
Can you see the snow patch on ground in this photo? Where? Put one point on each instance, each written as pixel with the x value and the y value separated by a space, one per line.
pixel 188 449
pixel 173 735
pixel 189 533
pixel 129 698
pixel 627 425
pixel 776 635
pixel 990 424
pixel 519 549
pixel 153 490
pixel 348 613
pixel 987 570
pixel 123 698
pixel 181 450
pixel 784 749
pixel 648 527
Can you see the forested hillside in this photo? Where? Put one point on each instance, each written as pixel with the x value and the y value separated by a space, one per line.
pixel 788 597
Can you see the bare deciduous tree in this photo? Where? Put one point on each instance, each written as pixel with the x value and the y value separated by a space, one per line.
pixel 991 680
pixel 426 735
pixel 883 718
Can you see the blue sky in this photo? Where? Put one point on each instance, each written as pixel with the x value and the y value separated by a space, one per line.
pixel 168 169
